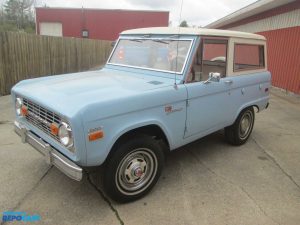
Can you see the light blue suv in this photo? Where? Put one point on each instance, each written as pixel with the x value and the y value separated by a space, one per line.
pixel 161 88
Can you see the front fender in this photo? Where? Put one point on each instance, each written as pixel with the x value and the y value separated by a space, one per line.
pixel 139 124
pixel 172 126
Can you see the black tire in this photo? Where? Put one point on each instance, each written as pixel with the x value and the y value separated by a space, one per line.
pixel 133 169
pixel 238 133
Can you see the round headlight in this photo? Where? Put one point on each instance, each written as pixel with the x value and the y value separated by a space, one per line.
pixel 65 134
pixel 19 103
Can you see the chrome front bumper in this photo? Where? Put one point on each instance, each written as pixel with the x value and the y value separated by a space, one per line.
pixel 52 156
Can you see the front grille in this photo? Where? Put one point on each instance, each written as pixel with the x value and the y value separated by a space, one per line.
pixel 41 117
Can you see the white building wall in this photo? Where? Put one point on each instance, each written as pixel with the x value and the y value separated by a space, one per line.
pixel 285 20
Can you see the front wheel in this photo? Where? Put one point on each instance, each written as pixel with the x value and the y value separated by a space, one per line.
pixel 239 132
pixel 133 169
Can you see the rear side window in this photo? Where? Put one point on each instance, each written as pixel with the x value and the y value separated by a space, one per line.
pixel 248 57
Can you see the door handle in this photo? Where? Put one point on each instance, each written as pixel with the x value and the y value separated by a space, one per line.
pixel 228 82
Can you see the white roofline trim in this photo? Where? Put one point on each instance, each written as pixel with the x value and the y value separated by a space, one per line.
pixel 193 31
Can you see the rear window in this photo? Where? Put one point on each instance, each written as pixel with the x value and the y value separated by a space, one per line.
pixel 248 57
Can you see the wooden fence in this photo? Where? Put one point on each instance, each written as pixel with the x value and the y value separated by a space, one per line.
pixel 24 56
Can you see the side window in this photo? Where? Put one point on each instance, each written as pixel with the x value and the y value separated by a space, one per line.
pixel 214 57
pixel 210 57
pixel 248 57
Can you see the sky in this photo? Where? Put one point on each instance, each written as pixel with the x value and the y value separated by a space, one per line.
pixel 195 12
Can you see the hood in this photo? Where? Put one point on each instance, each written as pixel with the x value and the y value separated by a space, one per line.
pixel 69 93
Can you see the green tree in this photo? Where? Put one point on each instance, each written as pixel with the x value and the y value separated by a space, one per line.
pixel 19 15
pixel 1 14
pixel 184 24
pixel 11 8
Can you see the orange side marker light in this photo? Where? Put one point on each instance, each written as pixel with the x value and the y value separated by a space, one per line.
pixel 96 135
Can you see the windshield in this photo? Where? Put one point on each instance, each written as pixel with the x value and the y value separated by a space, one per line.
pixel 156 54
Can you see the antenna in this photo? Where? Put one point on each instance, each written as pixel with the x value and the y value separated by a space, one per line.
pixel 175 81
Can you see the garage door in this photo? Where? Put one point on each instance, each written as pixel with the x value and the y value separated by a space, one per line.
pixel 51 29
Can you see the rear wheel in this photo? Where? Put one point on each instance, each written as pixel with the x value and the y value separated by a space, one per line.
pixel 239 132
pixel 133 169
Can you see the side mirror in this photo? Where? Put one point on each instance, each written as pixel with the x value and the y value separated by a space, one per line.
pixel 213 77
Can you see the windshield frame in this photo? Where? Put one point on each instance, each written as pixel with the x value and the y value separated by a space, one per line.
pixel 154 38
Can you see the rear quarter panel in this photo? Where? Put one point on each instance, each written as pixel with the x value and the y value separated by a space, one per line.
pixel 249 87
pixel 250 90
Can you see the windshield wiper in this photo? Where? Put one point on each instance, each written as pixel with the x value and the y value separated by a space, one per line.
pixel 146 36
pixel 174 36
pixel 136 40
pixel 160 41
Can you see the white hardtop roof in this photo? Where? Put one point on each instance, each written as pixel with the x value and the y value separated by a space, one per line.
pixel 193 31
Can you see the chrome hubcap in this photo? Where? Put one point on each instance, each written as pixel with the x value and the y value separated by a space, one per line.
pixel 246 123
pixel 136 171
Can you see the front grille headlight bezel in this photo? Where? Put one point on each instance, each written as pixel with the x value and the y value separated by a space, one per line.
pixel 42 118
pixel 65 135
pixel 18 106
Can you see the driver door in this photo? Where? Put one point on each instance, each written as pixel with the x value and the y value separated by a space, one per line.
pixel 209 105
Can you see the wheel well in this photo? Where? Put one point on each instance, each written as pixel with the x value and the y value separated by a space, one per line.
pixel 250 106
pixel 256 107
pixel 152 130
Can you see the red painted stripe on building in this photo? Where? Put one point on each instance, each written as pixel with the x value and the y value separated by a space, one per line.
pixel 284 57
pixel 272 12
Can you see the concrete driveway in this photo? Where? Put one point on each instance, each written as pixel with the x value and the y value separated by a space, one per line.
pixel 206 182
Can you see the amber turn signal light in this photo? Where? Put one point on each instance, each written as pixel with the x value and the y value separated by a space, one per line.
pixel 54 129
pixel 96 135
pixel 24 111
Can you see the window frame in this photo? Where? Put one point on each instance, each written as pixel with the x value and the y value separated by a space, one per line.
pixel 200 44
pixel 236 40
pixel 226 42
pixel 154 38
pixel 249 68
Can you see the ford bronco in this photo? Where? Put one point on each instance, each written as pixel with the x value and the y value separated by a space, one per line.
pixel 160 89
